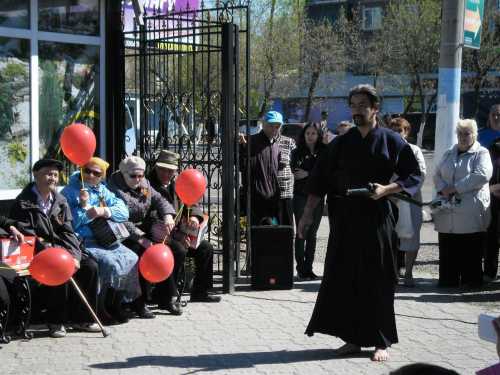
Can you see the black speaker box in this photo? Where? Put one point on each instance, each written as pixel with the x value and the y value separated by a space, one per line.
pixel 272 257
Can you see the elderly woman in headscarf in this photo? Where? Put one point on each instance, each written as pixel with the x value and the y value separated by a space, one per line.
pixel 89 199
pixel 142 200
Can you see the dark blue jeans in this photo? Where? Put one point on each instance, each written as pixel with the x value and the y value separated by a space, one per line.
pixel 305 248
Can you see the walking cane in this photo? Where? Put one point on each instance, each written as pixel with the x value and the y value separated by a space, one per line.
pixel 104 331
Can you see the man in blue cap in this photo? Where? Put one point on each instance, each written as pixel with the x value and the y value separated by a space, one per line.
pixel 271 179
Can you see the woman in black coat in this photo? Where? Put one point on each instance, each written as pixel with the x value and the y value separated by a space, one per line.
pixel 302 162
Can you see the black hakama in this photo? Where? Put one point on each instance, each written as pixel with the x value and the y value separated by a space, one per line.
pixel 356 297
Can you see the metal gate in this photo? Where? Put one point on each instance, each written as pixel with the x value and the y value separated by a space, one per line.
pixel 183 92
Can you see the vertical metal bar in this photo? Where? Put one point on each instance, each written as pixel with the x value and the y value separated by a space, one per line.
pixel 142 88
pixel 248 153
pixel 228 177
pixel 236 147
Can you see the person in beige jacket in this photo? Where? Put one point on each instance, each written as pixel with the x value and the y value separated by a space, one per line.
pixel 461 180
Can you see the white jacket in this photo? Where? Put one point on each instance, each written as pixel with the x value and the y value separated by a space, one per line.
pixel 469 173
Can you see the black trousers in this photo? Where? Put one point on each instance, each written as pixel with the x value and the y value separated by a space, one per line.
pixel 203 256
pixel 63 302
pixel 281 209
pixel 460 258
pixel 4 299
pixel 306 248
pixel 169 285
pixel 491 248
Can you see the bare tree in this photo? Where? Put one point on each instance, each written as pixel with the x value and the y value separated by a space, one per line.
pixel 275 48
pixel 410 38
pixel 322 51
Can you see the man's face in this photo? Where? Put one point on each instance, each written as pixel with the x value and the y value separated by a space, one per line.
pixel 495 117
pixel 362 111
pixel 165 175
pixel 46 178
pixel 271 129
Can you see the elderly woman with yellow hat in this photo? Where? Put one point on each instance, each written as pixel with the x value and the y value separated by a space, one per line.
pixel 89 199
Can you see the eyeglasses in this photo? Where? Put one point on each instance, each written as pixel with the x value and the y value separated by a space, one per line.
pixel 136 175
pixel 359 105
pixel 92 172
pixel 464 134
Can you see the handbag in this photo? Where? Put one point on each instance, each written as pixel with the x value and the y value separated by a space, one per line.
pixel 107 232
pixel 404 226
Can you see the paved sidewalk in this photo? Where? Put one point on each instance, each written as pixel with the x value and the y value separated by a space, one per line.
pixel 262 333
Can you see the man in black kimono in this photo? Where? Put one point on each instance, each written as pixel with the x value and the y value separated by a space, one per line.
pixel 356 297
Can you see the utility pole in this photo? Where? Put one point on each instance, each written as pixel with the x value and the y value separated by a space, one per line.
pixel 450 72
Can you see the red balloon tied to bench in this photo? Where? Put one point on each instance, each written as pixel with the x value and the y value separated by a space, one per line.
pixel 190 186
pixel 52 266
pixel 78 143
pixel 157 263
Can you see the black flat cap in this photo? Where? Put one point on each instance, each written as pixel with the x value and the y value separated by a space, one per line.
pixel 42 163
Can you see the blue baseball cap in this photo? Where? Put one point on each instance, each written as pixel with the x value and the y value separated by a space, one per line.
pixel 273 117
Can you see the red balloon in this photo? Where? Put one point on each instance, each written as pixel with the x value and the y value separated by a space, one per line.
pixel 52 266
pixel 78 143
pixel 157 263
pixel 190 186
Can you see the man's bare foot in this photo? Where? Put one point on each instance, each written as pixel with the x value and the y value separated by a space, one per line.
pixel 380 355
pixel 347 349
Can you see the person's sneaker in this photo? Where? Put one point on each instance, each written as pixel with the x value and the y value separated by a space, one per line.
pixel 86 327
pixel 57 331
pixel 173 306
pixel 204 297
pixel 145 313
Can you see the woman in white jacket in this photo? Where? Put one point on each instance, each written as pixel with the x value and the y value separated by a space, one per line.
pixel 410 246
pixel 461 179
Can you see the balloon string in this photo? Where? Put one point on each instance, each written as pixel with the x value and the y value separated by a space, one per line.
pixel 177 215
pixel 81 176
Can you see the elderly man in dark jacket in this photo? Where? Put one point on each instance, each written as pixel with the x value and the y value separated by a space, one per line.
pixel 130 185
pixel 162 179
pixel 42 212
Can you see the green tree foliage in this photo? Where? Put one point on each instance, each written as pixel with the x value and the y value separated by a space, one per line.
pixel 51 101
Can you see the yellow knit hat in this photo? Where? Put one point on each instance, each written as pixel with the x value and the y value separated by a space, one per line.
pixel 100 163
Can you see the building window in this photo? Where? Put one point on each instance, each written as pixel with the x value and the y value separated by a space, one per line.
pixel 69 16
pixel 69 91
pixel 15 13
pixel 372 18
pixel 14 113
pixel 51 75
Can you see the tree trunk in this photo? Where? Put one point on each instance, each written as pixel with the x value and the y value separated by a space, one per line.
pixel 272 69
pixel 411 100
pixel 310 94
pixel 423 120
pixel 423 117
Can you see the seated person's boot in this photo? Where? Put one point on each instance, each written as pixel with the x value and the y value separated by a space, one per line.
pixel 115 307
pixel 172 305
pixel 139 305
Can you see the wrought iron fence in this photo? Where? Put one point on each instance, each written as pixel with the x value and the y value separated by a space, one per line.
pixel 186 86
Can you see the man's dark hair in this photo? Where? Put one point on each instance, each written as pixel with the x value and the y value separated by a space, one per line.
pixel 423 369
pixel 367 90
